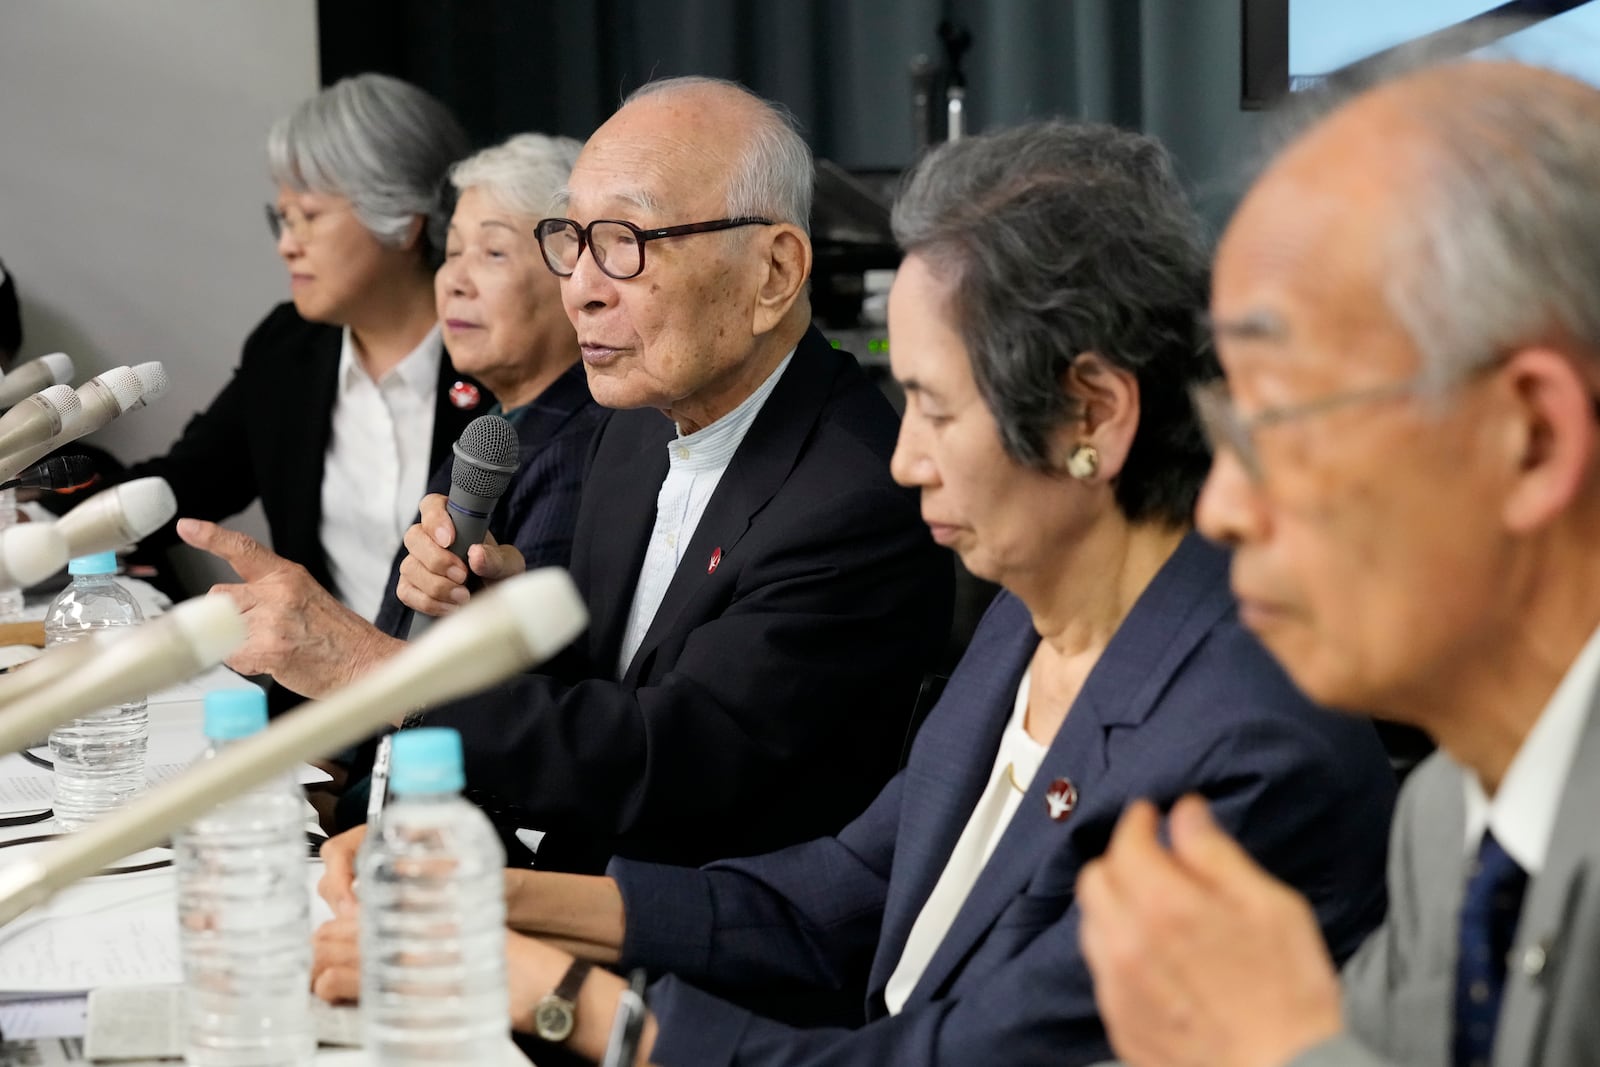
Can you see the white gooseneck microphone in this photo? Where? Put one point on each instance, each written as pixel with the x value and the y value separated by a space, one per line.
pixel 33 422
pixel 101 399
pixel 31 552
pixel 122 515
pixel 33 376
pixel 512 626
pixel 51 667
pixel 194 636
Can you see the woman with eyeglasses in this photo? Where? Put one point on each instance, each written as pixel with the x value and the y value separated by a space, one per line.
pixel 344 400
pixel 1043 326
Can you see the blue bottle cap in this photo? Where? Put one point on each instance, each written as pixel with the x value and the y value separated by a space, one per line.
pixel 426 760
pixel 99 563
pixel 235 713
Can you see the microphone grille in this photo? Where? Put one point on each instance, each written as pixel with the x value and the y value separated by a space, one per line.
pixel 124 384
pixel 486 456
pixel 153 377
pixel 63 399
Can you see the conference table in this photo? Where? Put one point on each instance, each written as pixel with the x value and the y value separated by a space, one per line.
pixel 103 956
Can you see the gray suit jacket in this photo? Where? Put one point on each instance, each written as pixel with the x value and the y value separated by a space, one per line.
pixel 1399 987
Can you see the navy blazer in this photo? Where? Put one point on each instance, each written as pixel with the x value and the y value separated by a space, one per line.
pixel 1182 700
pixel 769 699
pixel 539 507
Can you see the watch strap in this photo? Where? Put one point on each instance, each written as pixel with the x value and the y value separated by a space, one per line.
pixel 572 981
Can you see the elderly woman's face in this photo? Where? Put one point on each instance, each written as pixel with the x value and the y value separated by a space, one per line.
pixel 1006 520
pixel 499 305
pixel 334 261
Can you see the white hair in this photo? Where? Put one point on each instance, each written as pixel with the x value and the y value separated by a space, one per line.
pixel 775 173
pixel 1504 243
pixel 524 174
pixel 379 142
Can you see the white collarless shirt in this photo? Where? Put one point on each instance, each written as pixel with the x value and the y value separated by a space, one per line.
pixel 376 467
pixel 1015 765
pixel 1522 812
pixel 695 464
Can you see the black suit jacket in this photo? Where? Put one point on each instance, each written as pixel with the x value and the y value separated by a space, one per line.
pixel 770 697
pixel 267 431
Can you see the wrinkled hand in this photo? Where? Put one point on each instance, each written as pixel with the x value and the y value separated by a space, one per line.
pixel 432 579
pixel 336 958
pixel 1200 958
pixel 337 885
pixel 296 630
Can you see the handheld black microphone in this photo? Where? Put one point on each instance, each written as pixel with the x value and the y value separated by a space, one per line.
pixel 60 474
pixel 486 458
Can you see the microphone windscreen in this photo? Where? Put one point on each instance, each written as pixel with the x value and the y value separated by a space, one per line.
pixel 153 376
pixel 486 457
pixel 60 366
pixel 31 552
pixel 119 516
pixel 124 385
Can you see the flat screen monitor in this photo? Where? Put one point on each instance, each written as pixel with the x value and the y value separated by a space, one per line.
pixel 1291 45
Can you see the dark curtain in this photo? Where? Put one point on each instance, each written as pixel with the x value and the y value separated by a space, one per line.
pixel 1170 67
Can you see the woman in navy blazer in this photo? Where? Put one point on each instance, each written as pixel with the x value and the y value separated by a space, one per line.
pixel 1043 327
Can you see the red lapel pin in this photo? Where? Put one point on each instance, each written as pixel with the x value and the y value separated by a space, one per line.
pixel 465 395
pixel 1061 798
pixel 716 559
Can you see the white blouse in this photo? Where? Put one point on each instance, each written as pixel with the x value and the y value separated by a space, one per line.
pixel 1015 764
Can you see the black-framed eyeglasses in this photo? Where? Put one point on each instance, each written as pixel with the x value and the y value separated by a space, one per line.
pixel 617 246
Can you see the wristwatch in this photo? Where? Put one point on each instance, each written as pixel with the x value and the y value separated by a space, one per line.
pixel 557 1011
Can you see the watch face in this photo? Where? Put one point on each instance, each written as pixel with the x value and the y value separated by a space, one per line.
pixel 552 1019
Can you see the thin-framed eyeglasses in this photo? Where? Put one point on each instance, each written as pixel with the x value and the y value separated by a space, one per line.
pixel 617 246
pixel 1226 429
pixel 297 222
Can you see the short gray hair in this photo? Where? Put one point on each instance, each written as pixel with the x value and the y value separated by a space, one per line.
pixel 775 174
pixel 524 174
pixel 1059 239
pixel 381 143
pixel 1501 246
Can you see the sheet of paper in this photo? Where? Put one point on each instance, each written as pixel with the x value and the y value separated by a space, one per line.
pixel 196 688
pixel 124 946
pixel 29 788
pixel 135 1023
pixel 31 1020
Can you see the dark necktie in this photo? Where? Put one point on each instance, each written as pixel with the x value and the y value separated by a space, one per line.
pixel 1489 911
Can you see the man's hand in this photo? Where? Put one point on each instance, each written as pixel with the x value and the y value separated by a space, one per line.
pixel 336 958
pixel 432 580
pixel 296 630
pixel 1200 958
pixel 337 885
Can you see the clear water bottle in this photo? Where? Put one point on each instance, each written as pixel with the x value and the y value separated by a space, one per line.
pixel 10 595
pixel 432 888
pixel 244 913
pixel 100 757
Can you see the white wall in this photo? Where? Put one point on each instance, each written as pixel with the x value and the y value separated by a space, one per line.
pixel 132 174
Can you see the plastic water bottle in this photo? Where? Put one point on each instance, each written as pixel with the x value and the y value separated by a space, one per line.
pixel 244 914
pixel 10 595
pixel 100 757
pixel 432 889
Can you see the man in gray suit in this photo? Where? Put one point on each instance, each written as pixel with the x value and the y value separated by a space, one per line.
pixel 1408 464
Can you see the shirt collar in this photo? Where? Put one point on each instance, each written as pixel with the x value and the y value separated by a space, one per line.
pixel 418 371
pixel 1522 812
pixel 711 447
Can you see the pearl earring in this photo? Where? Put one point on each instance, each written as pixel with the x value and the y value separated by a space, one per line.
pixel 1084 462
